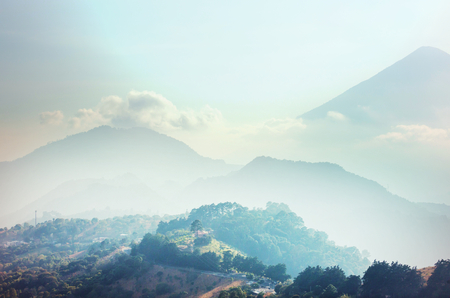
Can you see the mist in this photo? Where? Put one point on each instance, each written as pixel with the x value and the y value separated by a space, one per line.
pixel 224 149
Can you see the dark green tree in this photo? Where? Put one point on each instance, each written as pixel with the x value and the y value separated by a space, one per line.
pixel 396 280
pixel 163 288
pixel 277 272
pixel 332 275
pixel 308 278
pixel 227 261
pixel 196 226
pixel 438 284
pixel 329 292
pixel 351 285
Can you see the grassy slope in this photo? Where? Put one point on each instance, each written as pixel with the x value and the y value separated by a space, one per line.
pixel 426 273
pixel 194 283
pixel 184 238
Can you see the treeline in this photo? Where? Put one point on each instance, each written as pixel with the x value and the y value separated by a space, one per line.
pixel 70 231
pixel 37 282
pixel 330 282
pixel 160 250
pixel 84 277
pixel 58 258
pixel 274 235
pixel 380 280
pixel 80 268
pixel 397 280
pixel 240 292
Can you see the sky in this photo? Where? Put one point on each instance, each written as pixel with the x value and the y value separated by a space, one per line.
pixel 229 78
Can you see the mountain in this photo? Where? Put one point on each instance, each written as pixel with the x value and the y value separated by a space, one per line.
pixel 414 90
pixel 442 209
pixel 89 198
pixel 352 210
pixel 103 152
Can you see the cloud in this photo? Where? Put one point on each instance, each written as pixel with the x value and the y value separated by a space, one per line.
pixel 53 118
pixel 147 109
pixel 416 133
pixel 336 116
pixel 149 101
pixel 283 126
pixel 87 118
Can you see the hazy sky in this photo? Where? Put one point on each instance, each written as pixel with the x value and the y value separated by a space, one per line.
pixel 228 78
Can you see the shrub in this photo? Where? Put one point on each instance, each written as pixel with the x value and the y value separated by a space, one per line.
pixel 163 288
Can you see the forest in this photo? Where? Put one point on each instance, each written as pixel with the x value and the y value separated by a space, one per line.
pixel 274 235
pixel 127 257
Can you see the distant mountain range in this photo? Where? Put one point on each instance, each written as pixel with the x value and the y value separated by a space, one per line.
pixel 351 209
pixel 103 152
pixel 414 90
pixel 88 198
pixel 119 171
pixel 393 128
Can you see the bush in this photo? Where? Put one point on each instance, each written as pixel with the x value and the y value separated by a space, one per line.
pixel 163 288
pixel 203 241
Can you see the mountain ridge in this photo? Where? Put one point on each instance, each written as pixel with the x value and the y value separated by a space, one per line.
pixel 353 210
pixel 103 152
pixel 410 91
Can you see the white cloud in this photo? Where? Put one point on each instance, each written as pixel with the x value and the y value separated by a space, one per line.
pixel 87 118
pixel 149 100
pixel 53 118
pixel 283 126
pixel 286 128
pixel 147 109
pixel 112 106
pixel 416 133
pixel 336 116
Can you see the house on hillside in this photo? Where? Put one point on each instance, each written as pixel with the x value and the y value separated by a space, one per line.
pixel 201 234
pixel 99 239
pixel 14 243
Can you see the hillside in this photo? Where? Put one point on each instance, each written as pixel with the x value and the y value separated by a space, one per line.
pixel 84 258
pixel 351 209
pixel 113 258
pixel 441 209
pixel 274 235
pixel 103 152
pixel 414 90
pixel 89 198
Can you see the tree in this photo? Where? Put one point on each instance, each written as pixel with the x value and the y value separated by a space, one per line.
pixel 12 293
pixel 277 272
pixel 438 284
pixel 203 241
pixel 308 278
pixel 196 226
pixel 332 275
pixel 163 288
pixel 227 261
pixel 253 265
pixel 238 262
pixel 233 293
pixel 329 292
pixel 351 285
pixel 278 288
pixel 396 280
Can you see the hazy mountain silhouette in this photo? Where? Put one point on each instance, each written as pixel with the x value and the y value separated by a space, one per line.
pixel 414 90
pixel 351 209
pixel 88 198
pixel 442 209
pixel 103 152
